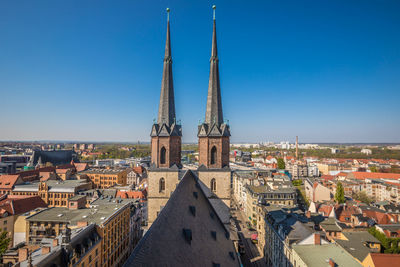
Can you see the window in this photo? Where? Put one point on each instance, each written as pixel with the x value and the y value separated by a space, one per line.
pixel 213 155
pixel 163 153
pixel 162 185
pixel 213 185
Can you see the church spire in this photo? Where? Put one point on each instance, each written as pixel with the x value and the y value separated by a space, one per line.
pixel 214 106
pixel 166 110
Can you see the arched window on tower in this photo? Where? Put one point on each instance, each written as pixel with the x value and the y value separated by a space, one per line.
pixel 213 155
pixel 163 153
pixel 162 185
pixel 213 185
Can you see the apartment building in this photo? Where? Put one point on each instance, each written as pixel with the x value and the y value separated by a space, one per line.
pixel 111 216
pixel 11 207
pixel 105 178
pixel 55 193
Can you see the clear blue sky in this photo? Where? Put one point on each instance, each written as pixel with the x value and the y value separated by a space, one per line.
pixel 327 71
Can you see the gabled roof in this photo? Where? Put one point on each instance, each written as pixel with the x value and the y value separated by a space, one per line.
pixel 20 204
pixel 8 181
pixel 187 231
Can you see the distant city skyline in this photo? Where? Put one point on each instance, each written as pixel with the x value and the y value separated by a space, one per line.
pixel 328 72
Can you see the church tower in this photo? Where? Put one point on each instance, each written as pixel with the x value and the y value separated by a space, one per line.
pixel 166 137
pixel 214 135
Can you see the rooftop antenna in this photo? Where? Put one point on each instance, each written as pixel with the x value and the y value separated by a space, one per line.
pixel 214 7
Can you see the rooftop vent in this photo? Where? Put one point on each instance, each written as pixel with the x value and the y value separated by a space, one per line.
pixel 102 218
pixel 192 210
pixel 187 233
pixel 60 215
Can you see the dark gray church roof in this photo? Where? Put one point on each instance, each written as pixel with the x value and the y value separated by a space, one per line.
pixel 214 121
pixel 166 122
pixel 56 157
pixel 187 232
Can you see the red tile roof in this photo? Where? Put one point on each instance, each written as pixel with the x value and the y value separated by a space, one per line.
pixel 8 181
pixel 375 175
pixel 384 260
pixel 80 166
pixel 21 204
pixel 131 194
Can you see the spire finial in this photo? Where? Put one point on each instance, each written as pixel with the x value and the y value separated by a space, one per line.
pixel 168 13
pixel 214 7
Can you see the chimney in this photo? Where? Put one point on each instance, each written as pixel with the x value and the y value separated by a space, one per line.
pixel 45 250
pixel 22 254
pixel 308 214
pixel 331 263
pixel 317 239
pixel 55 242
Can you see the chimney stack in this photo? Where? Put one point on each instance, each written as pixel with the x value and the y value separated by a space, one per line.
pixel 55 242
pixel 22 254
pixel 317 239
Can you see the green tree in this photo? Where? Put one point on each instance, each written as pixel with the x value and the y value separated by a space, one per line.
pixel 339 196
pixel 363 197
pixel 4 242
pixel 373 169
pixel 281 164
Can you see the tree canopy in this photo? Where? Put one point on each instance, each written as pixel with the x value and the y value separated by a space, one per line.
pixel 339 195
pixel 281 164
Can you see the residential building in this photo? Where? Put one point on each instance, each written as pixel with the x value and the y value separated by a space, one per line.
pixel 77 247
pixel 359 244
pixel 316 192
pixel 55 193
pixel 11 207
pixel 111 216
pixel 322 255
pixel 105 178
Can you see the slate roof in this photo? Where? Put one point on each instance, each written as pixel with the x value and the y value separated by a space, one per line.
pixel 187 232
pixel 56 157
pixel 356 244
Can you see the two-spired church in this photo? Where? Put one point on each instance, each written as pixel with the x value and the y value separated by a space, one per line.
pixel 166 171
pixel 188 211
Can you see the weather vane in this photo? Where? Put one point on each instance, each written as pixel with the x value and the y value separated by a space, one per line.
pixel 168 13
pixel 214 7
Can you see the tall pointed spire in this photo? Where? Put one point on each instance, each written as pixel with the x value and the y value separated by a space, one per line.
pixel 214 105
pixel 166 110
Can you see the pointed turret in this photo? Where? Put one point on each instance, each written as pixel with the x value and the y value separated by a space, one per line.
pixel 214 133
pixel 166 111
pixel 214 114
pixel 166 121
pixel 166 133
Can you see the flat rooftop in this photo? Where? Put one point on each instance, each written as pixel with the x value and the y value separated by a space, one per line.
pixel 99 212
